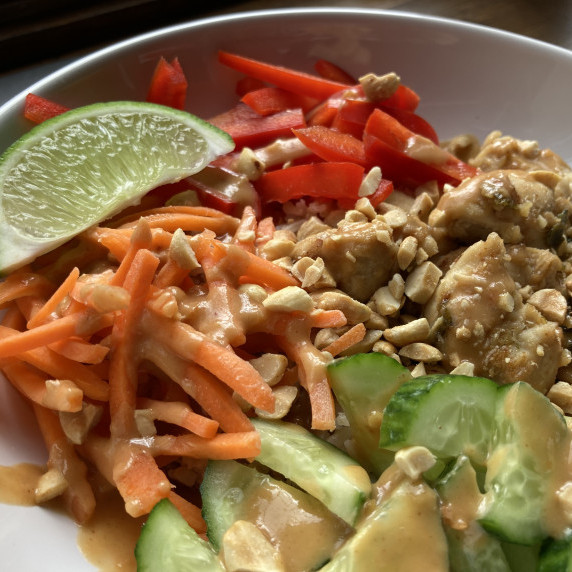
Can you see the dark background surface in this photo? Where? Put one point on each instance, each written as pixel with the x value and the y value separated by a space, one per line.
pixel 36 30
pixel 40 36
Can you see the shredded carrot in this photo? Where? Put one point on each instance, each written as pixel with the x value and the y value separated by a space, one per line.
pixel 245 234
pixel 79 350
pixel 353 336
pixel 190 512
pixel 221 447
pixel 55 300
pixel 141 238
pixel 187 342
pixel 37 387
pixel 328 319
pixel 181 414
pixel 14 342
pixel 123 372
pixel 265 231
pixel 78 496
pixel 23 283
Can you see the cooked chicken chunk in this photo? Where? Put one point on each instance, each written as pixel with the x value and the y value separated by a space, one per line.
pixel 485 321
pixel 361 256
pixel 518 206
pixel 500 151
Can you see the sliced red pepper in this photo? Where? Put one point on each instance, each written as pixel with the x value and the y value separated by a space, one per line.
pixel 388 129
pixel 338 181
pixel 354 113
pixel 247 84
pixel 269 100
pixel 286 78
pixel 38 109
pixel 404 98
pixel 384 189
pixel 332 145
pixel 329 70
pixel 224 190
pixel 403 170
pixel 168 84
pixel 249 129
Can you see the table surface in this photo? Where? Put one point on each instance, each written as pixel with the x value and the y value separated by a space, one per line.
pixel 546 20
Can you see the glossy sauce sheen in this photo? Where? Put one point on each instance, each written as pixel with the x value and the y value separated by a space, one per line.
pixel 18 483
pixel 108 540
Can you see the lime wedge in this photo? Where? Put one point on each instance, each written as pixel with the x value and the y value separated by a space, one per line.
pixel 79 168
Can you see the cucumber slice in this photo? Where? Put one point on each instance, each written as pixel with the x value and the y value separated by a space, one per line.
pixel 521 558
pixel 556 555
pixel 471 548
pixel 314 465
pixel 449 414
pixel 291 518
pixel 402 533
pixel 530 447
pixel 169 544
pixel 363 384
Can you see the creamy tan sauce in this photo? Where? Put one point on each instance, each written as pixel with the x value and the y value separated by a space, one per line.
pixel 301 536
pixel 18 483
pixel 108 540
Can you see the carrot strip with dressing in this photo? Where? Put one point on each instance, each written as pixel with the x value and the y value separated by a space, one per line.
pixel 123 372
pixel 23 283
pixel 191 344
pixel 208 391
pixel 223 446
pixel 190 512
pixel 180 414
pixel 51 305
pixel 39 388
pixel 78 496
pixel 353 336
pixel 80 350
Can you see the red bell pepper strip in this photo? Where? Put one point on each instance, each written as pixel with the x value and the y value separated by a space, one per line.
pixel 249 129
pixel 403 98
pixel 168 84
pixel 384 189
pixel 329 70
pixel 247 84
pixel 286 78
pixel 354 113
pixel 332 145
pixel 403 170
pixel 338 181
pixel 222 189
pixel 38 109
pixel 388 129
pixel 269 100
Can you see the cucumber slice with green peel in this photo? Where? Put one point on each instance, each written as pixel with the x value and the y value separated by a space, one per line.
pixel 530 447
pixel 556 555
pixel 169 544
pixel 363 384
pixel 290 518
pixel 471 548
pixel 316 466
pixel 401 534
pixel 449 414
pixel 521 558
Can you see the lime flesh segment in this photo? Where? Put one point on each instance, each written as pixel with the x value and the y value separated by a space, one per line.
pixel 79 168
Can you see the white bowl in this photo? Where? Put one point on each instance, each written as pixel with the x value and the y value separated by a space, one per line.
pixel 471 79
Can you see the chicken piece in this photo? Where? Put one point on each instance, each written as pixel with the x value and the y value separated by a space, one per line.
pixel 485 322
pixel 504 152
pixel 518 206
pixel 536 268
pixel 361 256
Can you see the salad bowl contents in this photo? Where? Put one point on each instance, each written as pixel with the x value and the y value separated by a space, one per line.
pixel 314 329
